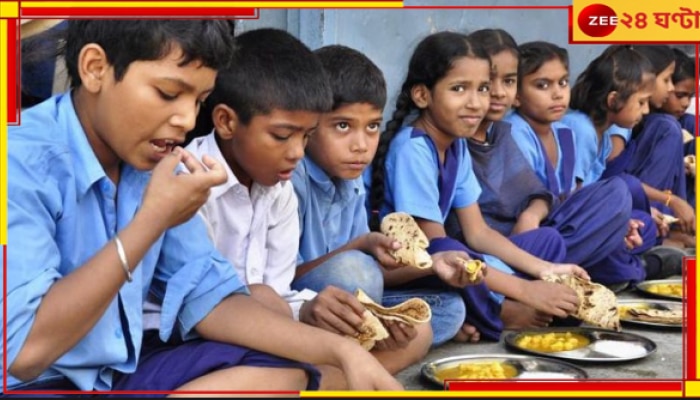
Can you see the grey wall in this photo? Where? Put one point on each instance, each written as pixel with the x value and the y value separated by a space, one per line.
pixel 387 36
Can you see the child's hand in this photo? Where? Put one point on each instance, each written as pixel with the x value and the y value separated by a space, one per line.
pixel 662 227
pixel 551 298
pixel 334 310
pixel 400 335
pixel 174 198
pixel 633 239
pixel 684 212
pixel 558 269
pixel 380 246
pixel 689 164
pixel 447 266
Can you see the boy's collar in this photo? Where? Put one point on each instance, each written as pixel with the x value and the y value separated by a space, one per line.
pixel 90 167
pixel 318 175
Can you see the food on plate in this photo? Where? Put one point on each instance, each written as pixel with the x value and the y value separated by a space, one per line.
pixel 597 304
pixel 667 289
pixel 478 370
pixel 552 342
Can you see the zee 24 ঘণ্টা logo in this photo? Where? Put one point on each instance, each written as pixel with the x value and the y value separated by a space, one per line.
pixel 600 20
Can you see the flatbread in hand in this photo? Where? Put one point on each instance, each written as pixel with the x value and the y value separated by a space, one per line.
pixel 669 219
pixel 597 304
pixel 404 229
pixel 412 311
pixel 473 268
pixel 371 332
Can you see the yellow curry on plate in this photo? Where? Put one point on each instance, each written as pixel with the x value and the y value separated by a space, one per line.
pixel 482 370
pixel 552 342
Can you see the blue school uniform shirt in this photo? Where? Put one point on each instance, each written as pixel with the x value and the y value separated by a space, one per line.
pixel 591 154
pixel 413 176
pixel 416 183
pixel 61 210
pixel 687 122
pixel 331 211
pixel 531 147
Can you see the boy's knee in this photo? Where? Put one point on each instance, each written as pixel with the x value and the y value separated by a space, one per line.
pixel 354 269
pixel 448 315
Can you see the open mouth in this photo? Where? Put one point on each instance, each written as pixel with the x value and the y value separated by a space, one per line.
pixel 163 145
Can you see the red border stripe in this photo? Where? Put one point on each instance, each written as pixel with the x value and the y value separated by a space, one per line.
pixel 563 386
pixel 12 81
pixel 105 12
pixel 691 308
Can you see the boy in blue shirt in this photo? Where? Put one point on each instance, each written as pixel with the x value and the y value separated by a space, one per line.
pixel 337 252
pixel 98 219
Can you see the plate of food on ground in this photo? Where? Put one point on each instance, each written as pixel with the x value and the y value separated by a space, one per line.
pixel 581 344
pixel 656 313
pixel 498 367
pixel 664 288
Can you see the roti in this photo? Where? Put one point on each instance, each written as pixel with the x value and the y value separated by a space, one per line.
pixel 660 316
pixel 597 304
pixel 371 331
pixel 473 268
pixel 690 160
pixel 412 311
pixel 669 219
pixel 687 136
pixel 403 228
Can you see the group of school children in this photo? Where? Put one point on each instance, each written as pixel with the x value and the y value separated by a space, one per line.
pixel 196 213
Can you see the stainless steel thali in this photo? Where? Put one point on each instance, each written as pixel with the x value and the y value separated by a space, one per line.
pixel 524 367
pixel 603 345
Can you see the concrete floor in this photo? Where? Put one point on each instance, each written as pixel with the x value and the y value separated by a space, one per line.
pixel 665 363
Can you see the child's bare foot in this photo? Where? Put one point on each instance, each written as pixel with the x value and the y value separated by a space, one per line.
pixel 467 334
pixel 516 315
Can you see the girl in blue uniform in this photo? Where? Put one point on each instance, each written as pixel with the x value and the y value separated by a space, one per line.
pixel 595 219
pixel 424 169
pixel 677 104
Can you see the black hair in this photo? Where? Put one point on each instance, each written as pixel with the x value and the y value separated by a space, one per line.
pixel 432 59
pixel 495 40
pixel 685 67
pixel 661 56
pixel 271 69
pixel 535 54
pixel 352 76
pixel 125 41
pixel 619 68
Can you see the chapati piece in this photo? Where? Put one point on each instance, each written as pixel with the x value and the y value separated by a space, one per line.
pixel 659 316
pixel 371 332
pixel 403 228
pixel 690 160
pixel 669 219
pixel 687 136
pixel 473 268
pixel 597 304
pixel 412 311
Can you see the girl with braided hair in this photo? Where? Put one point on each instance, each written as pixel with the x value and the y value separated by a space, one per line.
pixel 424 169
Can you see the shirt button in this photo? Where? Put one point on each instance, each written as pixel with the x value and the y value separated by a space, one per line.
pixel 118 333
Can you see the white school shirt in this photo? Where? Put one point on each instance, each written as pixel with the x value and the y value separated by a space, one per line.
pixel 256 230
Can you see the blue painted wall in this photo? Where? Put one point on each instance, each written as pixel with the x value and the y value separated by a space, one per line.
pixel 388 36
